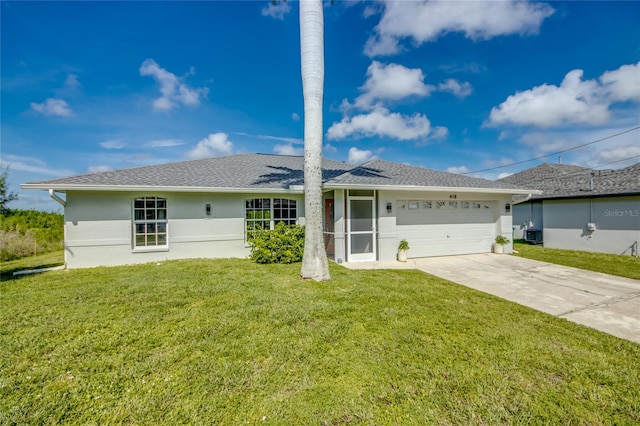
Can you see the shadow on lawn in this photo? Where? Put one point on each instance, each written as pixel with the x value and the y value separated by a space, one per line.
pixel 6 272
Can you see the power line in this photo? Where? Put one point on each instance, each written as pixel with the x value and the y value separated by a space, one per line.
pixel 584 172
pixel 614 162
pixel 554 153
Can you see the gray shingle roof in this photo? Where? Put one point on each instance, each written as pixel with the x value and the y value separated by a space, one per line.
pixel 264 171
pixel 565 181
pixel 378 173
pixel 248 171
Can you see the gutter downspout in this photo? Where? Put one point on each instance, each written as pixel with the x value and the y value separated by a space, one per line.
pixel 56 197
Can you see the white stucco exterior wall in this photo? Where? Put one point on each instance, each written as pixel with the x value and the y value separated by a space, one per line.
pixel 99 229
pixel 99 226
pixel 339 225
pixel 387 226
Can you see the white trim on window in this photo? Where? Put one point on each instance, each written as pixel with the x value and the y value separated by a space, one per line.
pixel 150 225
pixel 266 212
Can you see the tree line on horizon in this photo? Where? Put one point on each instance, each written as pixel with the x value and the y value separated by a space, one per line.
pixel 26 232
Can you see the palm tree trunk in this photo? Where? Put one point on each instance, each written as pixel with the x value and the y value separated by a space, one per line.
pixel 314 261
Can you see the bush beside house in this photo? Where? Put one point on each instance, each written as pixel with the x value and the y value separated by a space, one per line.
pixel 284 244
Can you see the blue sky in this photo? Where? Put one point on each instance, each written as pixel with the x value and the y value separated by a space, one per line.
pixel 453 86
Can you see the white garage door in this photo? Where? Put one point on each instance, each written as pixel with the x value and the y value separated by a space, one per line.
pixel 440 228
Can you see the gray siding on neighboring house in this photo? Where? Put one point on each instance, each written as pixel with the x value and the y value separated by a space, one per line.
pixel 574 196
pixel 526 216
pixel 616 220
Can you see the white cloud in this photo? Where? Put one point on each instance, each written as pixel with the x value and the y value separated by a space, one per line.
pixel 276 10
pixel 32 165
pixel 439 132
pixel 458 170
pixel 163 143
pixel 281 139
pixel 390 82
pixel 358 156
pixel 545 142
pixel 99 169
pixel 425 21
pixel 174 90
pixel 574 102
pixel 602 145
pixel 370 10
pixel 619 153
pixel 504 175
pixel 622 84
pixel 295 116
pixel 471 67
pixel 288 149
pixel 459 90
pixel 213 145
pixel 382 123
pixel 113 144
pixel 55 107
pixel 71 82
pixel 330 149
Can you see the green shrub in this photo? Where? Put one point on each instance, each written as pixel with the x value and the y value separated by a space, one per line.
pixel 502 240
pixel 284 244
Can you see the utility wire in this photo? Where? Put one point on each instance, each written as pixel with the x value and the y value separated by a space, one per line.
pixel 614 162
pixel 554 153
pixel 585 171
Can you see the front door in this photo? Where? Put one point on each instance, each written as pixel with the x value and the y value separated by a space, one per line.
pixel 361 229
pixel 329 237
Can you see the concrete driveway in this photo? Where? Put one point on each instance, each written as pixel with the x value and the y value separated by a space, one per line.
pixel 604 302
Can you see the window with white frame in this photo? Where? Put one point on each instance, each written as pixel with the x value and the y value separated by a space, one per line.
pixel 265 213
pixel 150 222
pixel 284 211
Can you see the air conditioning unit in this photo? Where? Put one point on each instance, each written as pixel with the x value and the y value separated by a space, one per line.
pixel 533 236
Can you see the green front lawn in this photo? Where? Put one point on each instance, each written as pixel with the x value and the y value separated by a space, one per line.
pixel 614 264
pixel 46 260
pixel 230 342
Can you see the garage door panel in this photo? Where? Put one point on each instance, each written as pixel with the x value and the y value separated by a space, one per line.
pixel 446 232
pixel 444 218
pixel 439 240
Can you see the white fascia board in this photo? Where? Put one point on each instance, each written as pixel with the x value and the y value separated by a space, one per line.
pixel 137 188
pixel 434 189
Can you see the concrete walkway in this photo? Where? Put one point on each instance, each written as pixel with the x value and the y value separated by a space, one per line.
pixel 607 303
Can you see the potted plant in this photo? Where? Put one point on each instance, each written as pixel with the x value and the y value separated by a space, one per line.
pixel 403 247
pixel 498 247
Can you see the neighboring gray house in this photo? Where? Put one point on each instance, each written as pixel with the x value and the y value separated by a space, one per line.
pixel 579 208
pixel 203 208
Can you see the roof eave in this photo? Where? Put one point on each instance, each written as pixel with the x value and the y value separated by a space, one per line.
pixel 294 189
pixel 137 188
pixel 586 195
pixel 432 188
